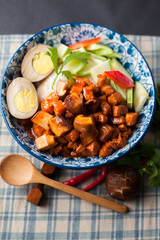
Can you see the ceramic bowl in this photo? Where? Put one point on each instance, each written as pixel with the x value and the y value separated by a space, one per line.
pixel 68 34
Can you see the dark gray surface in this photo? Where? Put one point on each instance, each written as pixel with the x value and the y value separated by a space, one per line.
pixel 126 16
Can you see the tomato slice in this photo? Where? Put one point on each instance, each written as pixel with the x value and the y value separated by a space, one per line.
pixel 121 79
pixel 84 43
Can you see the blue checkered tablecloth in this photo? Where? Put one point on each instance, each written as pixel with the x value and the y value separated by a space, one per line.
pixel 62 216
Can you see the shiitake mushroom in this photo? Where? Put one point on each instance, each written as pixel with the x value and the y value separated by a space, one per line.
pixel 122 182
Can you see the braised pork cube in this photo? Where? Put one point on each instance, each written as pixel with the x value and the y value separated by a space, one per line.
pixel 42 118
pixel 47 106
pixel 127 133
pixel 108 90
pixel 115 99
pixel 78 85
pixel 72 135
pixel 119 110
pixel 66 152
pixel 105 132
pixel 47 103
pixel 115 133
pixel 87 138
pixel 86 153
pixel 94 147
pixel 59 125
pixel 106 108
pixel 102 80
pixel 83 124
pixel 131 119
pixel 62 140
pixel 37 130
pixel 74 103
pixel 87 81
pixel 122 127
pixel 61 89
pixel 100 118
pixel 56 150
pixel 59 107
pixel 118 120
pixel 104 85
pixel 107 149
pixel 72 145
pixel 102 98
pixel 121 141
pixel 88 93
pixel 74 154
pixel 77 88
pixel 45 142
pixel 79 81
pixel 96 116
pixel 80 148
pixel 103 119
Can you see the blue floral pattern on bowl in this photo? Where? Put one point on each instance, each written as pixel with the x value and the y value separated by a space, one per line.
pixel 132 60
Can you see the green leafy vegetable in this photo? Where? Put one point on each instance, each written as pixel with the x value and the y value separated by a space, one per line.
pixel 156 118
pixel 81 56
pixel 53 53
pixel 145 157
pixel 54 57
pixel 68 74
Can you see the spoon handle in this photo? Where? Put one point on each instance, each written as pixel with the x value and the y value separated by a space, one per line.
pixel 84 195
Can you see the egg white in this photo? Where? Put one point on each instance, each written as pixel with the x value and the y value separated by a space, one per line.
pixel 27 68
pixel 16 86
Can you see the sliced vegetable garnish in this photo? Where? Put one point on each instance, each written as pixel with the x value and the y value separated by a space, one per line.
pixel 82 57
pixel 119 78
pixel 140 96
pixel 84 43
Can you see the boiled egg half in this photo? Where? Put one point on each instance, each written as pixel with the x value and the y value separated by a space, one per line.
pixel 22 99
pixel 36 64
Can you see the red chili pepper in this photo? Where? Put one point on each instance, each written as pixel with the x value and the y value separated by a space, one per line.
pixel 98 180
pixel 76 180
pixel 84 176
pixel 84 43
pixel 121 79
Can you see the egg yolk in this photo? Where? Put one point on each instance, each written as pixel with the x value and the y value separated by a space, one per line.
pixel 42 63
pixel 25 100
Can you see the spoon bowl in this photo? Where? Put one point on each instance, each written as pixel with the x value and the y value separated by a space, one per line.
pixel 18 170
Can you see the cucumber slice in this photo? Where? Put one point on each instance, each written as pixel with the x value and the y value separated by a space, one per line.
pixel 93 47
pixel 99 49
pixel 130 98
pixel 114 55
pixel 140 96
pixel 63 50
pixel 99 69
pixel 117 66
pixel 96 56
pixel 75 66
pixel 117 88
pixel 82 49
pixel 91 63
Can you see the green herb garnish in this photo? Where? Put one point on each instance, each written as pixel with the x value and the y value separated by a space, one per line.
pixel 53 53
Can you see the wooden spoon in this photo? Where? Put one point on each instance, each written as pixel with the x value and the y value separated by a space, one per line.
pixel 18 170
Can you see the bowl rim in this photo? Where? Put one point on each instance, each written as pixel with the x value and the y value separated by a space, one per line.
pixel 40 157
